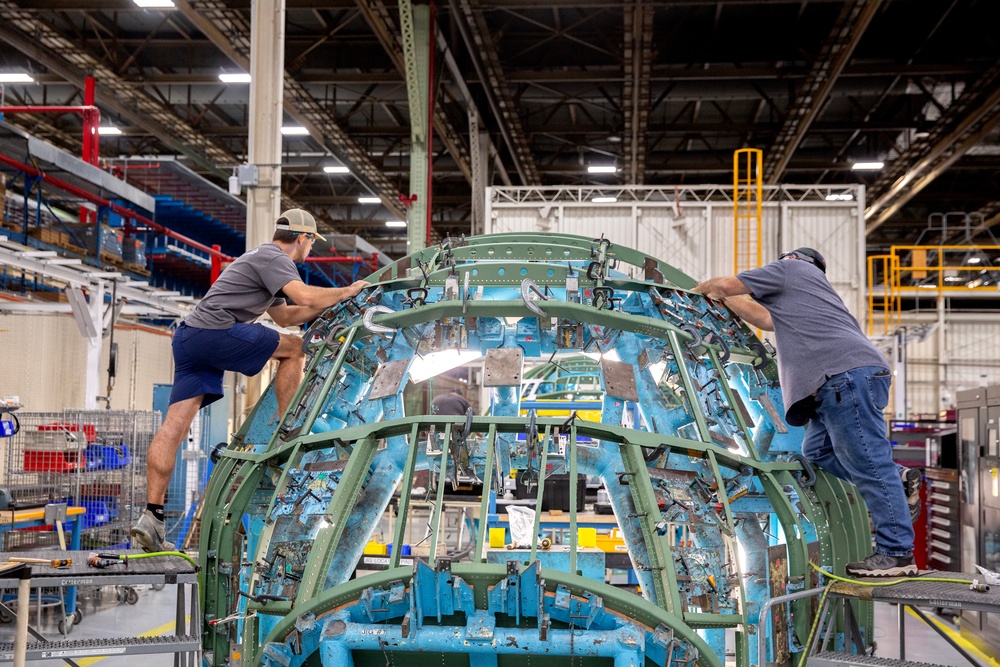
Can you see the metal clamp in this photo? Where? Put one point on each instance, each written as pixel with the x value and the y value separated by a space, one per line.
pixel 370 325
pixel 527 287
pixel 807 477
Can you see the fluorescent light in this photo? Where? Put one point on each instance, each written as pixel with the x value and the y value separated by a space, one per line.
pixel 833 197
pixel 15 77
pixel 336 169
pixel 395 223
pixel 602 169
pixel 867 166
pixel 369 200
pixel 154 4
pixel 239 77
pixel 973 260
pixel 108 130
pixel 604 200
pixel 435 363
pixel 294 131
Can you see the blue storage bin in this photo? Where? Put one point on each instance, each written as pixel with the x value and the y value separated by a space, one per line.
pixel 107 457
pixel 98 513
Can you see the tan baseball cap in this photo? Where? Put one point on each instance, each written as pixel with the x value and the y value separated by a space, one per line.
pixel 299 221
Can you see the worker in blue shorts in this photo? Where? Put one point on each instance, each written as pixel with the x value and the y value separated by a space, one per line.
pixel 220 335
pixel 836 383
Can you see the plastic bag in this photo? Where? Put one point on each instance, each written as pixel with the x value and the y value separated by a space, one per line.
pixel 522 522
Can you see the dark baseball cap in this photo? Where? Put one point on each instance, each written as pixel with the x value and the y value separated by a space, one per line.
pixel 809 255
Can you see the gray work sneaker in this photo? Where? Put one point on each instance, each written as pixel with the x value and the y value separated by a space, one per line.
pixel 880 565
pixel 149 533
pixel 913 481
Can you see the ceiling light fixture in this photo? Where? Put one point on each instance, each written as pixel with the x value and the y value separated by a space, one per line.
pixel 294 131
pixel 369 200
pixel 395 223
pixel 974 260
pixel 604 200
pixel 108 131
pixel 867 166
pixel 154 4
pixel 602 169
pixel 336 169
pixel 841 197
pixel 16 77
pixel 238 77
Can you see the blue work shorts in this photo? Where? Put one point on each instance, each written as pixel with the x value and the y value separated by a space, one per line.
pixel 201 357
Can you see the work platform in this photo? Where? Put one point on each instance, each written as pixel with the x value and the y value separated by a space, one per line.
pixel 185 643
pixel 910 593
pixel 913 592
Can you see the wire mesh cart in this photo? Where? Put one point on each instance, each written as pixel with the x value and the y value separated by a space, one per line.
pixel 90 459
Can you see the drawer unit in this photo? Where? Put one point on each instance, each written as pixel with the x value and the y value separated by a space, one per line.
pixel 943 520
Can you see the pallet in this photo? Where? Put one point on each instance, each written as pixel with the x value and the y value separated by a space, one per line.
pixel 136 268
pixel 48 235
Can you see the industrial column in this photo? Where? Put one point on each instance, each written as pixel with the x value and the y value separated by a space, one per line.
pixel 415 25
pixel 479 161
pixel 267 82
pixel 267 71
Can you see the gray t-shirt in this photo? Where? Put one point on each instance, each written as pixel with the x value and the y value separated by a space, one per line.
pixel 816 336
pixel 246 289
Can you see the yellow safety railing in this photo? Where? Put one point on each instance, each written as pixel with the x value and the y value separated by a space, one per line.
pixel 920 262
pixel 888 305
pixel 747 210
pixel 934 268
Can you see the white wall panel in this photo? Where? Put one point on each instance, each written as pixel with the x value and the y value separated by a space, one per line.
pixel 44 357
pixel 682 240
pixel 962 352
pixel 597 219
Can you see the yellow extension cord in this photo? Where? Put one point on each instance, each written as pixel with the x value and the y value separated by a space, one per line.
pixel 871 584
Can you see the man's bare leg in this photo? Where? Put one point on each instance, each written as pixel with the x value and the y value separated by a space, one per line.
pixel 291 369
pixel 163 449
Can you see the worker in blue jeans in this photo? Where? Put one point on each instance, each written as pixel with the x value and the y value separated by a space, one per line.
pixel 836 384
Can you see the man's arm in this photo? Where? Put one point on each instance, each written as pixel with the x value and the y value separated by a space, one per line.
pixel 751 311
pixel 310 301
pixel 721 287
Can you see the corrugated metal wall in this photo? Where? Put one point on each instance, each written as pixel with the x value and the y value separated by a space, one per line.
pixel 696 234
pixel 962 353
pixel 44 357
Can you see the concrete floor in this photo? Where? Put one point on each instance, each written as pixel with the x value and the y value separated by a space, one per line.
pixel 154 614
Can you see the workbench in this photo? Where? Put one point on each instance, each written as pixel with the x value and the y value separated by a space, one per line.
pixel 186 642
pixel 34 517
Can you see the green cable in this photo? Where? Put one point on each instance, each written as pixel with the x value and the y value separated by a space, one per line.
pixel 870 584
pixel 177 554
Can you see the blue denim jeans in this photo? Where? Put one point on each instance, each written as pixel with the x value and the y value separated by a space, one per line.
pixel 846 438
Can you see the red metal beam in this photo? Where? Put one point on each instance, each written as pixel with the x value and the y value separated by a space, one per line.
pixel 126 213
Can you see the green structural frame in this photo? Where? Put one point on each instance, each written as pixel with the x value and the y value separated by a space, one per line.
pixel 252 472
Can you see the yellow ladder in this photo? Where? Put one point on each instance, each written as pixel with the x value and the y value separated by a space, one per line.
pixel 747 217
pixel 888 305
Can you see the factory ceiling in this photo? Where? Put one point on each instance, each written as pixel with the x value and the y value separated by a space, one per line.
pixel 664 91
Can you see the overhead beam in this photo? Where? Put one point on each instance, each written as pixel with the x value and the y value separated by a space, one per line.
pixel 228 30
pixel 851 24
pixel 638 55
pixel 380 20
pixel 36 39
pixel 966 122
pixel 483 53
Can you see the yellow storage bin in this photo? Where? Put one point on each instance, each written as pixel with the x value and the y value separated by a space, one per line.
pixel 498 537
pixel 586 537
